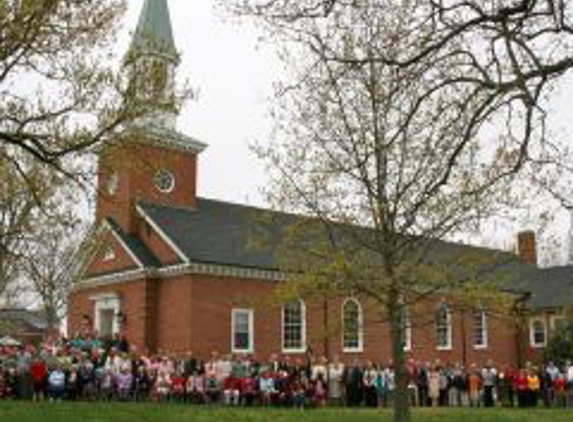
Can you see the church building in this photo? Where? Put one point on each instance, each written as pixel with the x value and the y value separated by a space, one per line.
pixel 175 272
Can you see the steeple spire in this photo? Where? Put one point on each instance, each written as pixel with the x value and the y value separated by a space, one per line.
pixel 151 60
pixel 154 35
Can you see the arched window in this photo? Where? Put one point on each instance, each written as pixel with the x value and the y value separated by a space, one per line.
pixel 352 326
pixel 294 327
pixel 444 327
pixel 480 329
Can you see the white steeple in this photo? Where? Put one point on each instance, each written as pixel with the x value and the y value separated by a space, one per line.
pixel 152 59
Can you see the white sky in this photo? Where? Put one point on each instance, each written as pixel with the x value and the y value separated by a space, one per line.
pixel 234 73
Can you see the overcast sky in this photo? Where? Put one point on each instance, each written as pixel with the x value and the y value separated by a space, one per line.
pixel 234 73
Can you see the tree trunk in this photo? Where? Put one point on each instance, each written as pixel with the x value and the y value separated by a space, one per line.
pixel 402 411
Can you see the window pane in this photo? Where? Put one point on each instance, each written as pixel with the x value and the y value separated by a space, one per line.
pixel 443 327
pixel 480 333
pixel 242 330
pixel 406 328
pixel 352 325
pixel 538 332
pixel 293 325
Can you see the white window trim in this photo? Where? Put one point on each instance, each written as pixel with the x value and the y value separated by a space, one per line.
pixel 303 348
pixel 449 344
pixel 107 302
pixel 360 347
pixel 251 347
pixel 532 342
pixel 407 330
pixel 485 331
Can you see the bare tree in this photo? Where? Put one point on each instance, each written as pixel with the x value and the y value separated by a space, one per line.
pixel 404 123
pixel 61 93
pixel 49 267
pixel 21 204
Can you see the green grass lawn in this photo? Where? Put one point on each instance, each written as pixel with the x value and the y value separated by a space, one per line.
pixel 66 412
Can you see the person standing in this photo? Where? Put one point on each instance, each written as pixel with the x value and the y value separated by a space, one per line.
pixel 39 375
pixel 474 387
pixel 533 387
pixel 335 380
pixel 353 384
pixel 369 381
pixel 489 377
pixel 24 379
pixel 423 385
pixel 434 386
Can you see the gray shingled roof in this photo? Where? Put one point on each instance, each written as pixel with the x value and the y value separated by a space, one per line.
pixel 222 233
pixel 135 245
pixel 233 234
pixel 548 287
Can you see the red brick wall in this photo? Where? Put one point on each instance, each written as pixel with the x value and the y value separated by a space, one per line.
pixel 136 166
pixel 193 313
pixel 162 251
pixel 121 262
pixel 174 317
pixel 137 304
pixel 212 302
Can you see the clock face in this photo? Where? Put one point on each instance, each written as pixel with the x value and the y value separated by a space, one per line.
pixel 164 181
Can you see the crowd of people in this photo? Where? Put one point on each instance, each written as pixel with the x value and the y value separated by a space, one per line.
pixel 87 368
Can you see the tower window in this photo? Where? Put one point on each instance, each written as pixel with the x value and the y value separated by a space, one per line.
pixel 112 182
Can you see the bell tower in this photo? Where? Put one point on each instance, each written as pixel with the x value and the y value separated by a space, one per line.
pixel 150 160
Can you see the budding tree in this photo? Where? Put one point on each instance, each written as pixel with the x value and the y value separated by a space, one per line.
pixel 403 123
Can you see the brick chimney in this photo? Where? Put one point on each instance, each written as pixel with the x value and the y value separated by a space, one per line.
pixel 526 248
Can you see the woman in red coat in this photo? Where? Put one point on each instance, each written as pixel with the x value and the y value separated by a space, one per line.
pixel 520 383
pixel 39 375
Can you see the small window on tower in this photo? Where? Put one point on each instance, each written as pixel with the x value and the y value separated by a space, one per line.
pixel 112 183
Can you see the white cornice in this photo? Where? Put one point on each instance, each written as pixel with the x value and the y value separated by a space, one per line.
pixel 221 271
pixel 180 270
pixel 171 139
pixel 115 278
